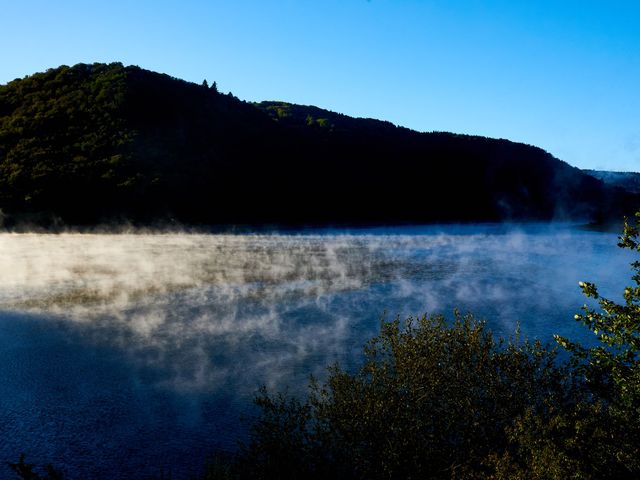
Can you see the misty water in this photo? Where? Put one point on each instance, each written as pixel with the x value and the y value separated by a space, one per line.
pixel 127 355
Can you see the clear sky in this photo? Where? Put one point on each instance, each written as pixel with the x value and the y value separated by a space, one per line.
pixel 562 74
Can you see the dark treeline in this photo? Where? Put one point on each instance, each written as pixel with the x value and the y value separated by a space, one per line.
pixel 629 181
pixel 103 143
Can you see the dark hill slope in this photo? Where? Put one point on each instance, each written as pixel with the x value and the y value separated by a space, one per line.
pixel 99 142
pixel 629 181
pixel 455 177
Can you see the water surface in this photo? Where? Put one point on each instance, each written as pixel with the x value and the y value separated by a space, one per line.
pixel 137 353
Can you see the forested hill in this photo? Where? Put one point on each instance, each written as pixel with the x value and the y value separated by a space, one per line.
pixel 95 143
pixel 629 181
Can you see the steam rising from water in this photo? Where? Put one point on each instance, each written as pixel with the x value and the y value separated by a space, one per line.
pixel 279 298
pixel 215 316
pixel 189 295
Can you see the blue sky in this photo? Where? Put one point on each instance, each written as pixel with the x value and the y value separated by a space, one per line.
pixel 563 74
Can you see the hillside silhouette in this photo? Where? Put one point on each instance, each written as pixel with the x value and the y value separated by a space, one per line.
pixel 103 142
pixel 629 181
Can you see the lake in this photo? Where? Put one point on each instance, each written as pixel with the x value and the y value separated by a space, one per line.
pixel 134 354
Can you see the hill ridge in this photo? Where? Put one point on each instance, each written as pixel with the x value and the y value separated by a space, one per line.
pixel 107 142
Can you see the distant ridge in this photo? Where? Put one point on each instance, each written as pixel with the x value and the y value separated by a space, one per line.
pixel 629 181
pixel 104 142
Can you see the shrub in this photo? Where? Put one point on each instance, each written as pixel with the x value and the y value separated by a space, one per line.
pixel 433 399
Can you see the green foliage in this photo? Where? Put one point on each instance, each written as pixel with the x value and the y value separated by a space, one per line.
pixel 615 364
pixel 278 110
pixel 432 399
pixel 317 122
pixel 612 368
pixel 580 441
pixel 323 123
pixel 60 130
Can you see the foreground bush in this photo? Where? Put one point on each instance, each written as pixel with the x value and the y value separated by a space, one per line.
pixel 432 399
